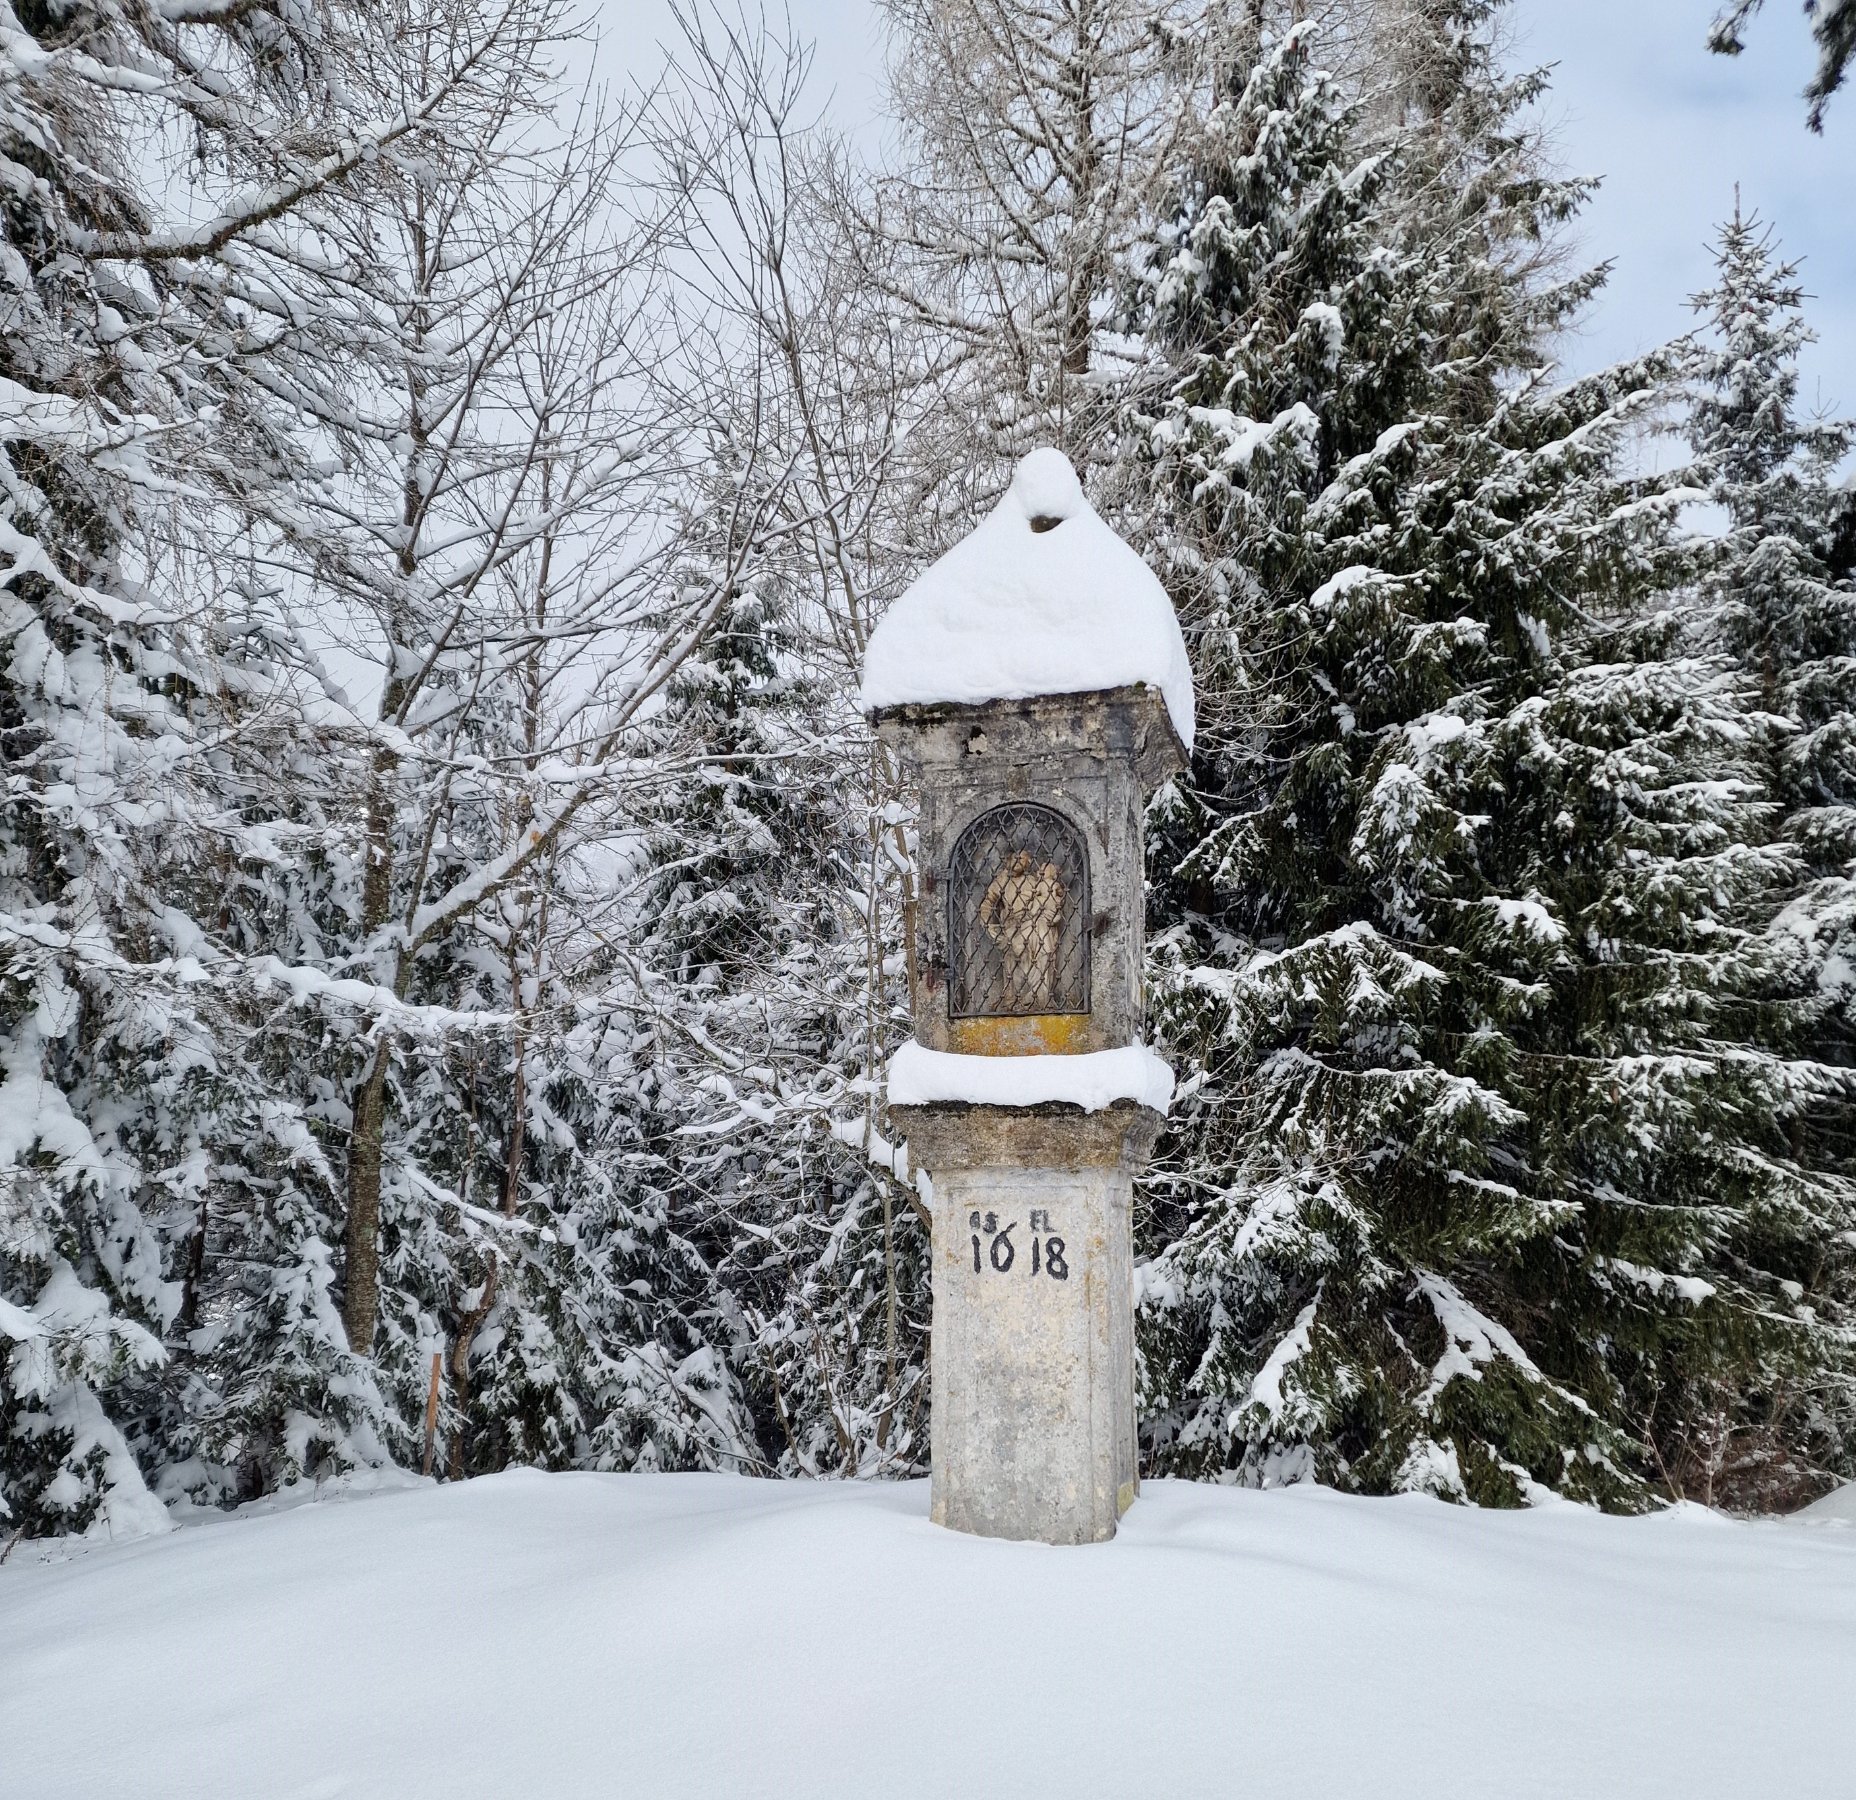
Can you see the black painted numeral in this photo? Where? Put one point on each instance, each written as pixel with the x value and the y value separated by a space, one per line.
pixel 1049 1255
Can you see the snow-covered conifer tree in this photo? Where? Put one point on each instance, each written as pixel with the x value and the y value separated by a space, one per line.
pixel 1460 911
pixel 1776 600
pixel 164 168
pixel 753 928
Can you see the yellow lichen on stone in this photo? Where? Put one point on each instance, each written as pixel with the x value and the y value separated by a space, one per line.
pixel 1042 1034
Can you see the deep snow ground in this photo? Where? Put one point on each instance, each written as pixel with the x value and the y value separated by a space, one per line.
pixel 544 1637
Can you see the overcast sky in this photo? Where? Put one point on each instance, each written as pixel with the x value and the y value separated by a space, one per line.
pixel 1637 99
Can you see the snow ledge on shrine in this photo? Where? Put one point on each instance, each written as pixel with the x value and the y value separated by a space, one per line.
pixel 1095 1081
pixel 1041 598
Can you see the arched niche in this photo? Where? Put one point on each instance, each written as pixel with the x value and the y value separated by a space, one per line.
pixel 1018 916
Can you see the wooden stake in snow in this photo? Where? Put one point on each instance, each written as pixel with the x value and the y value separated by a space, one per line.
pixel 431 1411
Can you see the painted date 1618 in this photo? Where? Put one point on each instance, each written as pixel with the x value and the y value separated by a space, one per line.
pixel 1049 1254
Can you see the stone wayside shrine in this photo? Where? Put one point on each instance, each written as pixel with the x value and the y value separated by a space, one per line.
pixel 1035 684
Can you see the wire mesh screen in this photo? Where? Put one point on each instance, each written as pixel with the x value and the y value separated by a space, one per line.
pixel 1018 909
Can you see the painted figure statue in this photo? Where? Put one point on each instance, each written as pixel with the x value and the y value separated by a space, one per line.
pixel 1022 912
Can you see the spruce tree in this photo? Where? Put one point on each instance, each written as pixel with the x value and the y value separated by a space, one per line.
pixel 769 930
pixel 256 401
pixel 1458 915
pixel 1776 600
pixel 149 334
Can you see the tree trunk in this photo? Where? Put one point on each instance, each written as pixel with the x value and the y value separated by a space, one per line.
pixel 512 1160
pixel 361 1303
pixel 367 1131
pixel 460 1361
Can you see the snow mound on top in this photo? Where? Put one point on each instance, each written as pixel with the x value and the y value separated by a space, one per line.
pixel 1041 598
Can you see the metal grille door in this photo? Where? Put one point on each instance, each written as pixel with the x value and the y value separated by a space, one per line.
pixel 1018 910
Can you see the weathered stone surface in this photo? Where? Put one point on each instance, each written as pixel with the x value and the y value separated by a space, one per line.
pixel 1124 724
pixel 949 1137
pixel 1033 1354
pixel 1092 758
pixel 1033 1357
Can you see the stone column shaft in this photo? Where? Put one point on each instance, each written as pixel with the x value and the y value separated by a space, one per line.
pixel 1033 1397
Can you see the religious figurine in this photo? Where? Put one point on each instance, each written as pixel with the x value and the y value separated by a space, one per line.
pixel 1022 912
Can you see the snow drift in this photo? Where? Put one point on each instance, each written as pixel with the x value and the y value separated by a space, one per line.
pixel 555 1636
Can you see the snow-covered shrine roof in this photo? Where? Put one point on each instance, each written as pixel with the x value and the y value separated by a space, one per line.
pixel 1041 598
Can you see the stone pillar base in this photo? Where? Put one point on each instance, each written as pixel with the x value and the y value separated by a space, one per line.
pixel 1032 1412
